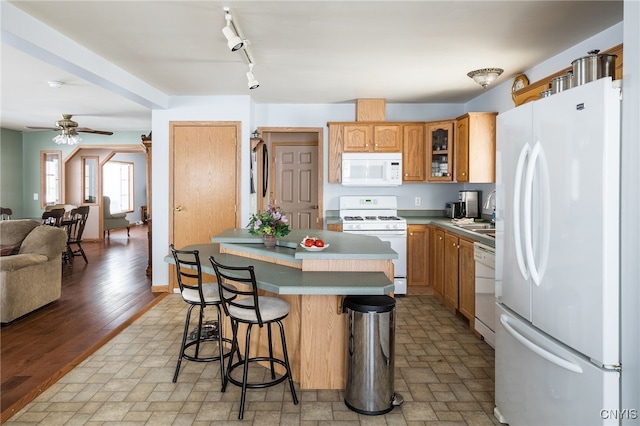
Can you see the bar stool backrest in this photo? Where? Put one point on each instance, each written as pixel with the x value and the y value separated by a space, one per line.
pixel 189 271
pixel 229 293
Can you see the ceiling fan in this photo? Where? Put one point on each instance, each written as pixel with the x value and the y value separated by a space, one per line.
pixel 68 126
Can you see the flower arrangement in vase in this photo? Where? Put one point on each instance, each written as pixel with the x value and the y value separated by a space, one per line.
pixel 271 224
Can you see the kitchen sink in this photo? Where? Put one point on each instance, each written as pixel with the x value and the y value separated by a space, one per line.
pixel 478 226
pixel 485 231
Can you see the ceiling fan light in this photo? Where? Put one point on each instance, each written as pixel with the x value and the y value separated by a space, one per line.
pixel 233 41
pixel 252 83
pixel 67 139
pixel 485 76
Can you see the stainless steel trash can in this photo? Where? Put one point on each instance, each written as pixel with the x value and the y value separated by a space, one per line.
pixel 370 352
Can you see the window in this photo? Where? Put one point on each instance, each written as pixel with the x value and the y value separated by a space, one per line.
pixel 50 181
pixel 118 185
pixel 89 179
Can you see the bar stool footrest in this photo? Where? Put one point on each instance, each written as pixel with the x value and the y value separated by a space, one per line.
pixel 206 359
pixel 257 385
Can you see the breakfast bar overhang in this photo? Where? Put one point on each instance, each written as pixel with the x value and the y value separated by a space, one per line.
pixel 314 283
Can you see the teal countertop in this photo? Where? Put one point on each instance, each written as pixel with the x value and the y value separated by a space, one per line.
pixel 280 279
pixel 340 246
pixel 435 218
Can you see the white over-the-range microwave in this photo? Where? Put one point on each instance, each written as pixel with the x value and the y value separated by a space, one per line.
pixel 372 169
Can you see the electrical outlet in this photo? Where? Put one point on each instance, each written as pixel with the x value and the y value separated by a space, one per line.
pixel 35 196
pixel 418 201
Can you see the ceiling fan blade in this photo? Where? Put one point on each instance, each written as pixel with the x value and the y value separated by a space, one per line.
pixel 42 128
pixel 98 132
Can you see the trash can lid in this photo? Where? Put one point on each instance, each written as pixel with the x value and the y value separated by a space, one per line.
pixel 369 303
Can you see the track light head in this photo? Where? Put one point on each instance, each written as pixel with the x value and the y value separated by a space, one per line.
pixel 233 41
pixel 252 83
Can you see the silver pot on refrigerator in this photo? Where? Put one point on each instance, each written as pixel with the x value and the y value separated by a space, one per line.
pixel 592 67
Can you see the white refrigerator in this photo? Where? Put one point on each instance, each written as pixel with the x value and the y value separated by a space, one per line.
pixel 557 259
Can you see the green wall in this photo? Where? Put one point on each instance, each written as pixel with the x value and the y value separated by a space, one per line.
pixel 32 143
pixel 11 186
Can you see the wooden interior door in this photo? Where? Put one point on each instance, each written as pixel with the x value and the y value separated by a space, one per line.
pixel 296 183
pixel 204 181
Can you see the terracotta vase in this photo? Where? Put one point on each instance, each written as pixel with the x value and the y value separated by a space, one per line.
pixel 269 241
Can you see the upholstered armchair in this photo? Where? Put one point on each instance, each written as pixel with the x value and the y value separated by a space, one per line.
pixel 112 221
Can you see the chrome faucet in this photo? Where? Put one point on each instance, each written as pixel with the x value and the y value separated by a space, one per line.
pixel 489 203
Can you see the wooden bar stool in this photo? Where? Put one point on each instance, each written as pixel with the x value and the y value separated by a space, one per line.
pixel 196 293
pixel 251 309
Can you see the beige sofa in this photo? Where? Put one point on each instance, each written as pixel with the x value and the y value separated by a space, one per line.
pixel 30 266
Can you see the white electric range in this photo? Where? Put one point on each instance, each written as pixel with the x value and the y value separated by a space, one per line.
pixel 378 216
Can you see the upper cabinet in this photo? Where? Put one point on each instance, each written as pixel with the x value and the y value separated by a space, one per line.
pixel 475 148
pixel 440 151
pixel 413 158
pixel 361 137
pixel 371 138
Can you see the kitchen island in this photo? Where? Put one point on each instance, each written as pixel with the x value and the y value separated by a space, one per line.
pixel 314 283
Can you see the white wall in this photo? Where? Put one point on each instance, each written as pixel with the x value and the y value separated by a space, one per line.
pixel 189 108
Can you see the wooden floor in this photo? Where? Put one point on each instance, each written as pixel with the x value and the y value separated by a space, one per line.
pixel 98 300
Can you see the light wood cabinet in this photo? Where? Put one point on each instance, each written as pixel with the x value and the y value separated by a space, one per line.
pixel 437 261
pixel 364 137
pixel 467 280
pixel 413 157
pixel 475 148
pixel 451 245
pixel 439 146
pixel 459 275
pixel 371 138
pixel 336 227
pixel 418 255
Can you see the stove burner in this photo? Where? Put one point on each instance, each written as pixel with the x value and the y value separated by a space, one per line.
pixel 353 218
pixel 388 218
pixel 370 217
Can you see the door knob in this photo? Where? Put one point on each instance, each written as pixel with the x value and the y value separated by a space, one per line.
pixel 178 208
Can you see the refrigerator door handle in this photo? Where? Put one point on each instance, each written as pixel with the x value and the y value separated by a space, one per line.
pixel 517 210
pixel 560 362
pixel 528 226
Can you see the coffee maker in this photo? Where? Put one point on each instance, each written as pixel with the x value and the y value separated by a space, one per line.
pixel 470 201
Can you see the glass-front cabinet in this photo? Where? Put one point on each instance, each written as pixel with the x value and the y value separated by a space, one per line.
pixel 440 151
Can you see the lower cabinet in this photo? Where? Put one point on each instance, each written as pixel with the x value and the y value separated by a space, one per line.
pixel 467 280
pixel 418 256
pixel 336 227
pixel 437 261
pixel 458 274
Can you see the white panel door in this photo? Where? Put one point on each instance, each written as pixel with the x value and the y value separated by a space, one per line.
pixel 575 295
pixel 514 142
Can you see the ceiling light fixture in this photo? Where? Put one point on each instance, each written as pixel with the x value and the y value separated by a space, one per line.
pixel 67 137
pixel 251 79
pixel 231 33
pixel 485 76
pixel 55 84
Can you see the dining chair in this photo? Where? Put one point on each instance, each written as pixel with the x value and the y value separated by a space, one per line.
pixel 243 305
pixel 75 229
pixel 53 217
pixel 5 213
pixel 202 295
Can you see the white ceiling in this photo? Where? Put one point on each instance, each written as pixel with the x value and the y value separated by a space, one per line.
pixel 118 59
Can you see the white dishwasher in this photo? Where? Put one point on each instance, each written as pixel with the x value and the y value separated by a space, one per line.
pixel 485 259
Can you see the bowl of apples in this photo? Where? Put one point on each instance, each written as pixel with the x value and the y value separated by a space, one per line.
pixel 313 244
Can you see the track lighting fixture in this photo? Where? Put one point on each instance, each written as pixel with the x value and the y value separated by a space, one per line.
pixel 251 79
pixel 231 34
pixel 235 42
